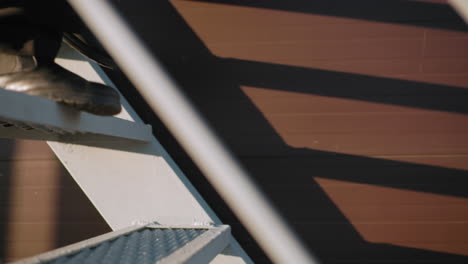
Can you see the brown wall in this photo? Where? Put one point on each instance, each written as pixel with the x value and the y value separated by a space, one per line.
pixel 41 207
pixel 351 115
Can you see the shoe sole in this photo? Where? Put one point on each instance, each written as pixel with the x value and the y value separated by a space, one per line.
pixel 104 103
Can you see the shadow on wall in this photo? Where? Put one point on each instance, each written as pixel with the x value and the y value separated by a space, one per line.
pixel 408 12
pixel 293 178
pixel 77 219
pixel 337 84
pixel 6 152
pixel 42 208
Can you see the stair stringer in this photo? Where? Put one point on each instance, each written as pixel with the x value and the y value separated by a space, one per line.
pixel 133 182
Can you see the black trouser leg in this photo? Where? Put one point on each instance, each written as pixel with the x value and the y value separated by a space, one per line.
pixel 33 28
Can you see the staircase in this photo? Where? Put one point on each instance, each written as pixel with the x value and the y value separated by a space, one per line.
pixel 126 173
pixel 128 176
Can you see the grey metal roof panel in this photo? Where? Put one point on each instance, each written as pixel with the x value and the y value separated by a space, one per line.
pixel 142 245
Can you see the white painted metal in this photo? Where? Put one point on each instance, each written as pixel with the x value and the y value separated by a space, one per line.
pixel 19 107
pixel 130 182
pixel 18 133
pixel 186 125
pixel 461 6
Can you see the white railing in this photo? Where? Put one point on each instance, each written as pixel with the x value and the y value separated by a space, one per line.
pixel 217 164
pixel 461 6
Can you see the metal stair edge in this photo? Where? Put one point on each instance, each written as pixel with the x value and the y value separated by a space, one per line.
pixel 76 247
pixel 58 121
pixel 203 249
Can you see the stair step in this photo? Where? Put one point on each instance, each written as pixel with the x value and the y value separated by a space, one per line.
pixel 143 244
pixel 25 116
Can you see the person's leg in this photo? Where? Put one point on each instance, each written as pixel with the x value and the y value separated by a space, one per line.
pixel 46 18
pixel 16 40
pixel 30 36
pixel 28 30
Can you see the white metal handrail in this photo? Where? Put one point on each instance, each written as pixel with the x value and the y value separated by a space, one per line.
pixel 461 6
pixel 217 164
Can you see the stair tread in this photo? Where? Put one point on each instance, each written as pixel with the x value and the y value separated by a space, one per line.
pixel 142 244
pixel 36 116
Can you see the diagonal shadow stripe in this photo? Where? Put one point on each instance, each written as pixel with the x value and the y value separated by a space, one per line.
pixel 350 86
pixel 406 12
pixel 302 164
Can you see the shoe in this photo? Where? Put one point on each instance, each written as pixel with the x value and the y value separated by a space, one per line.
pixel 60 85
